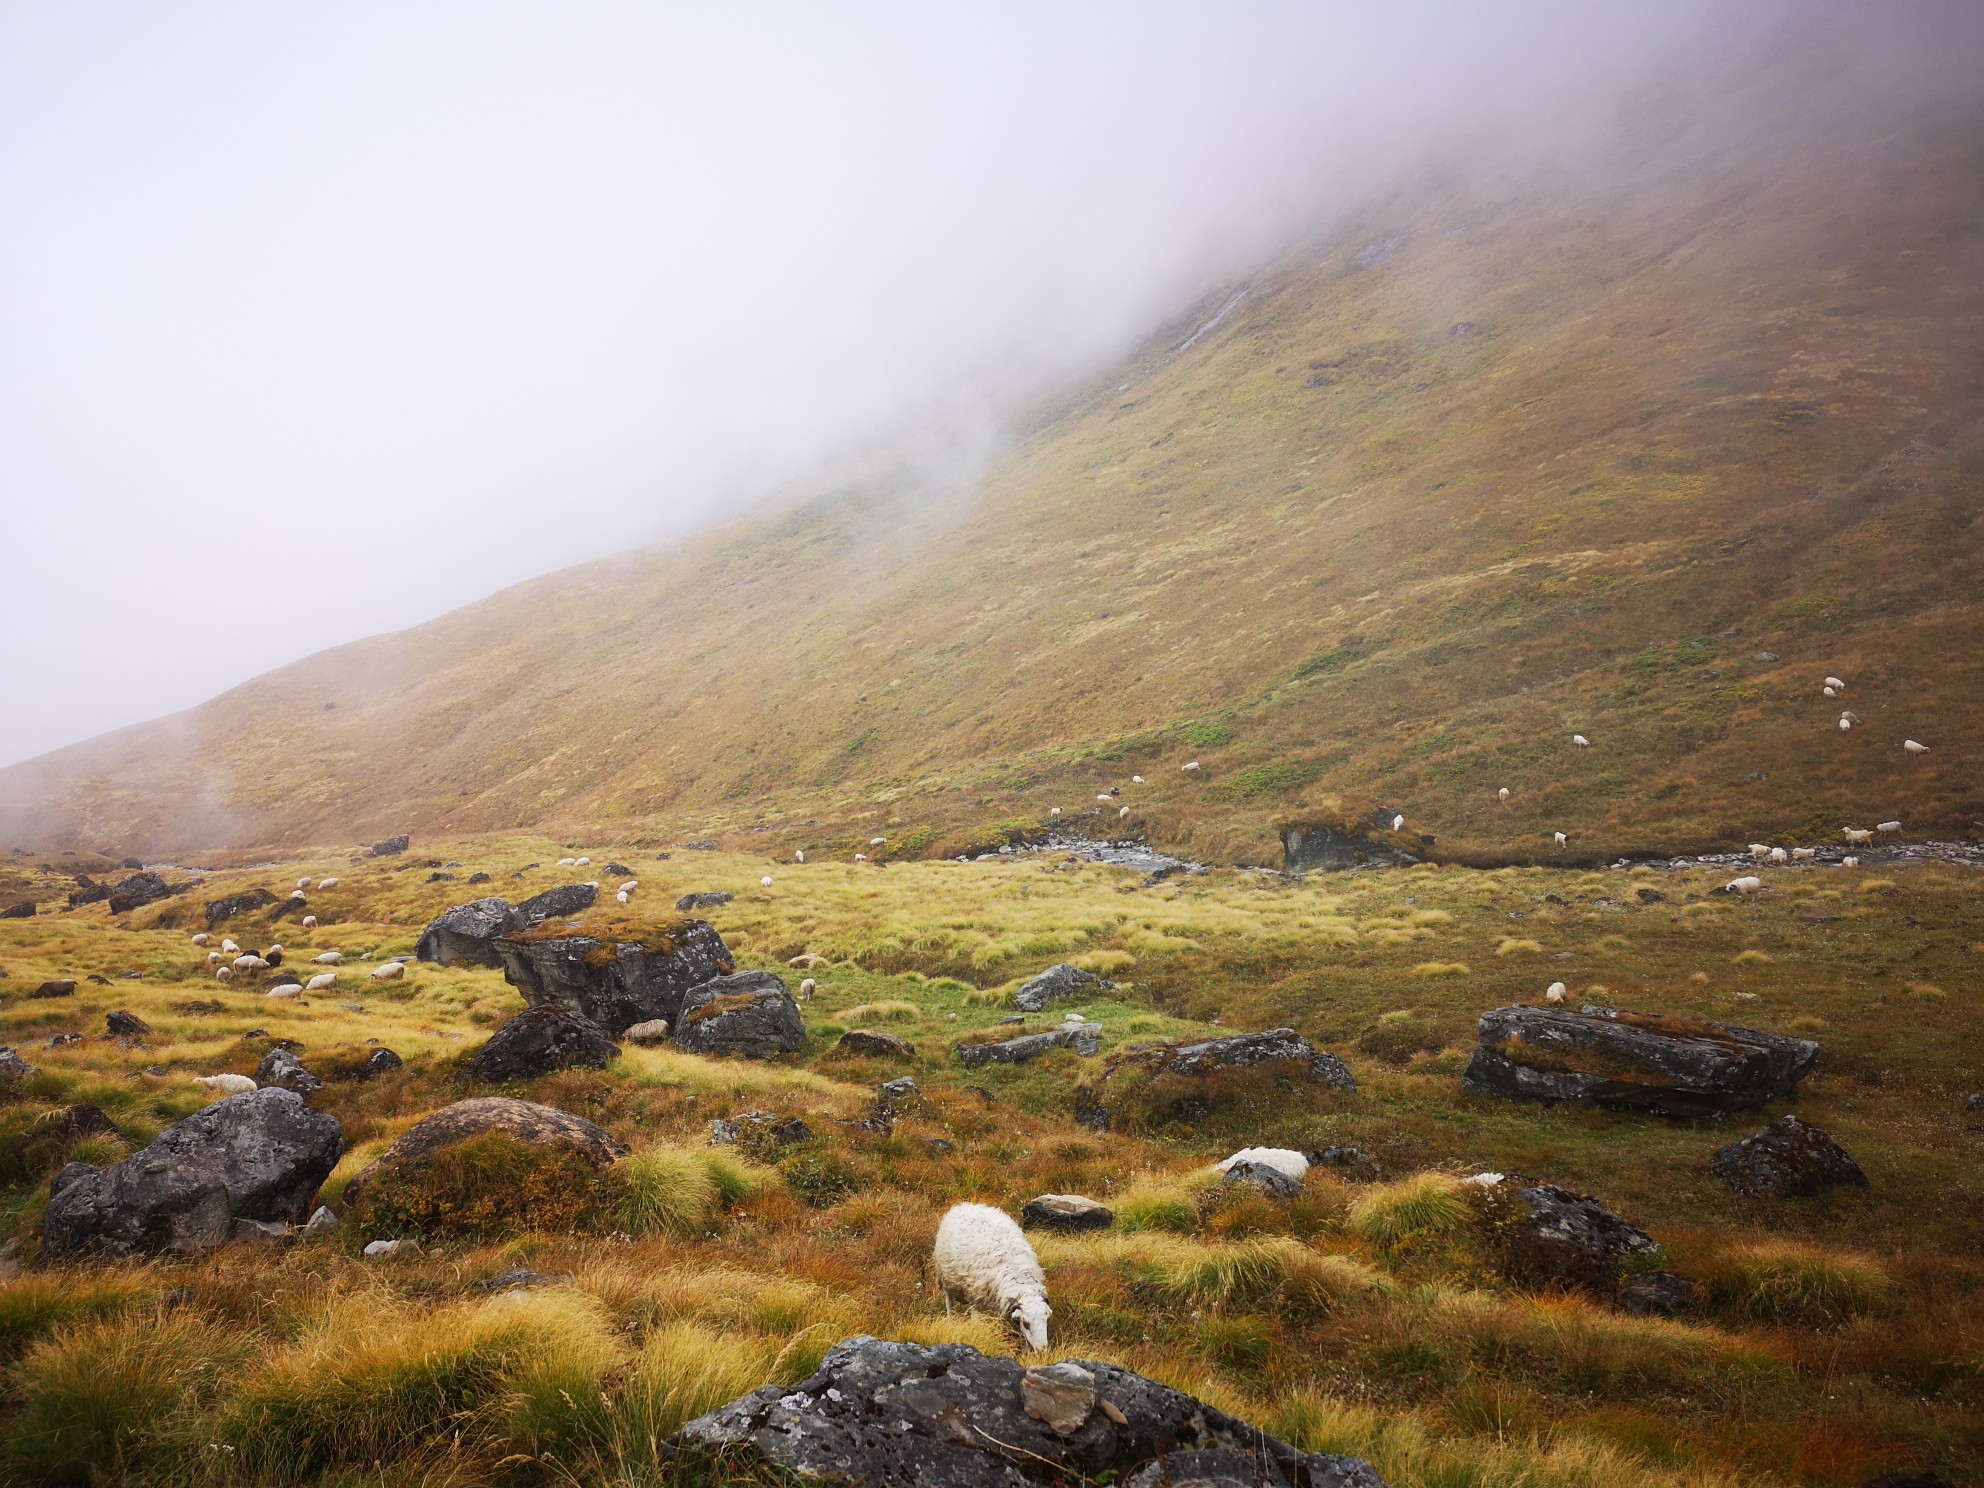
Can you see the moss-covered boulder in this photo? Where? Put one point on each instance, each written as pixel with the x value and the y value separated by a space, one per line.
pixel 1250 1075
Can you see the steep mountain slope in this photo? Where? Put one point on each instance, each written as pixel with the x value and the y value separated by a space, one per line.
pixel 1500 459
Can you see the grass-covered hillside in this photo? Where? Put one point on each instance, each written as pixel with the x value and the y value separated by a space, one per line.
pixel 1833 1337
pixel 1493 461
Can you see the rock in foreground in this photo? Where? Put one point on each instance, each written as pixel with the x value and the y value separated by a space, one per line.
pixel 951 1417
pixel 1553 1237
pixel 254 1157
pixel 1669 1066
pixel 750 1014
pixel 538 1041
pixel 1785 1160
pixel 614 980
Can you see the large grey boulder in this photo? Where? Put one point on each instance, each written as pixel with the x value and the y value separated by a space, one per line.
pixel 137 890
pixel 466 935
pixel 951 1417
pixel 391 845
pixel 1784 1160
pixel 1066 1212
pixel 1056 983
pixel 751 1014
pixel 1671 1066
pixel 228 906
pixel 259 1156
pixel 557 903
pixel 612 977
pixel 1550 1236
pixel 1338 845
pixel 538 1041
pixel 281 1068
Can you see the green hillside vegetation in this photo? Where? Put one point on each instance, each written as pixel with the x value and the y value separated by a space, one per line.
pixel 1838 1336
pixel 1485 465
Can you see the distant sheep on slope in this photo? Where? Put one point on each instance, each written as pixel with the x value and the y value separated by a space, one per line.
pixel 226 1084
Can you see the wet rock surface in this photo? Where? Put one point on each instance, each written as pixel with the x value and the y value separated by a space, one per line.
pixel 1059 982
pixel 122 1024
pixel 136 891
pixel 1669 1066
pixel 613 980
pixel 219 910
pixel 751 1015
pixel 538 1041
pixel 281 1068
pixel 259 1156
pixel 951 1417
pixel 1785 1160
pixel 466 934
pixel 874 1042
pixel 556 904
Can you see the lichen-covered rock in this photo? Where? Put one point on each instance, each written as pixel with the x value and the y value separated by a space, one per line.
pixel 759 1131
pixel 950 1417
pixel 702 901
pixel 259 1156
pixel 1056 983
pixel 1188 1082
pixel 1672 1066
pixel 466 934
pixel 136 891
pixel 1660 1294
pixel 538 1041
pixel 750 1014
pixel 391 845
pixel 1307 845
pixel 617 977
pixel 1085 1041
pixel 12 1066
pixel 1068 1213
pixel 1550 1236
pixel 281 1068
pixel 1784 1160
pixel 229 906
pixel 380 1061
pixel 874 1042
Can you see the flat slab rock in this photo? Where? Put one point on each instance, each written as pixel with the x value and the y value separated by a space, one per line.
pixel 1667 1066
pixel 138 890
pixel 1056 983
pixel 1208 1057
pixel 259 1156
pixel 1068 1213
pixel 614 980
pixel 1085 1041
pixel 1786 1160
pixel 951 1417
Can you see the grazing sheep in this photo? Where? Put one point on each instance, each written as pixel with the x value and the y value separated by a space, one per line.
pixel 213 958
pixel 1779 855
pixel 799 855
pixel 327 883
pixel 309 922
pixel 1748 884
pixel 1123 813
pixel 1845 724
pixel 1561 839
pixel 274 951
pixel 322 982
pixel 807 988
pixel 1836 684
pixel 1914 748
pixel 1803 854
pixel 226 1084
pixel 1831 692
pixel 580 862
pixel 1856 835
pixel 1760 850
pixel 1502 794
pixel 623 896
pixel 1555 992
pixel 1397 822
pixel 1284 1160
pixel 329 958
pixel 766 881
pixel 202 938
pixel 1889 827
pixel 983 1260
pixel 287 989
pixel 303 883
pixel 388 971
pixel 1849 862
pixel 566 862
pixel 862 857
pixel 876 841
pixel 249 961
pixel 229 947
pixel 223 973
pixel 1581 741
pixel 1053 810
pixel 1104 799
pixel 1192 766
pixel 1136 780
pixel 297 896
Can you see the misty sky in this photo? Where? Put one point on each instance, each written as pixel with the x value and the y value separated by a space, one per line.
pixel 318 321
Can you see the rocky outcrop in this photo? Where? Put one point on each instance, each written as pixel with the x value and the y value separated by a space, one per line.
pixel 1085 1040
pixel 538 1041
pixel 137 891
pixel 1067 1213
pixel 122 1024
pixel 281 1068
pixel 87 891
pixel 1056 983
pixel 1185 1082
pixel 60 987
pixel 558 903
pixel 750 1014
pixel 1307 845
pixel 20 910
pixel 254 1157
pixel 1672 1066
pixel 525 1122
pixel 875 1043
pixel 12 1066
pixel 761 1131
pixel 1550 1236
pixel 390 846
pixel 701 901
pixel 951 1417
pixel 466 934
pixel 1785 1160
pixel 235 904
pixel 611 978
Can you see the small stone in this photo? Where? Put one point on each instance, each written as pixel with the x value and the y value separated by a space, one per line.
pixel 899 1092
pixel 1659 1294
pixel 1060 1396
pixel 872 1041
pixel 322 1222
pixel 378 1250
pixel 128 1025
pixel 261 1231
pixel 1271 1181
pixel 1065 1212
pixel 13 1067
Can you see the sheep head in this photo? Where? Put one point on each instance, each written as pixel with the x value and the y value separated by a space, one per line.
pixel 1030 1316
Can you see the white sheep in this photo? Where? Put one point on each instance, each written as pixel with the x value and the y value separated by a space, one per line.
pixel 1397 822
pixel 580 862
pixel 287 989
pixel 297 896
pixel 1581 741
pixel 250 962
pixel 765 882
pixel 1053 810
pixel 303 883
pixel 1561 839
pixel 327 883
pixel 1914 748
pixel 309 922
pixel 229 946
pixel 807 988
pixel 1779 855
pixel 1887 826
pixel 226 1084
pixel 223 973
pixel 1831 691
pixel 1502 794
pixel 566 862
pixel 799 855
pixel 876 841
pixel 1845 723
pixel 1104 799
pixel 1803 854
pixel 1193 765
pixel 861 857
pixel 213 958
pixel 623 896
pixel 983 1260
pixel 1284 1160
pixel 1748 884
pixel 322 982
pixel 388 971
pixel 1849 862
pixel 274 950
pixel 1760 850
pixel 202 938
pixel 1555 992
pixel 1136 780
pixel 630 885
pixel 1835 684
pixel 329 958
pixel 1856 835
pixel 1123 813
